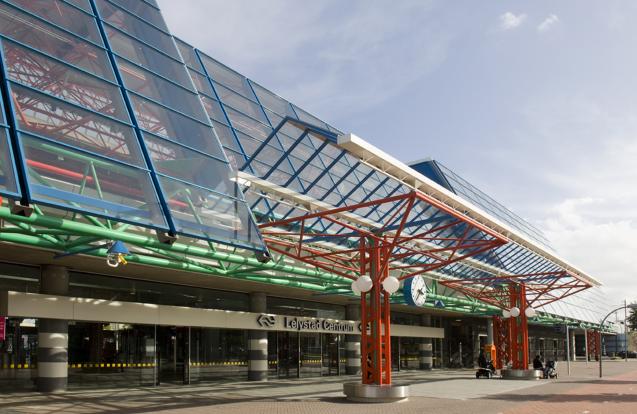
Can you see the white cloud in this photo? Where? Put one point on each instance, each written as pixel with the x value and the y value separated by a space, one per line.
pixel 548 23
pixel 509 20
pixel 604 249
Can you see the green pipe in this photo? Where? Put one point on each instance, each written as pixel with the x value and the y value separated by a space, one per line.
pixel 164 263
pixel 149 241
pixel 134 258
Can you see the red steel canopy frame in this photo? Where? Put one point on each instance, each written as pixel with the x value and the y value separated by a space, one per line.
pixel 522 291
pixel 363 247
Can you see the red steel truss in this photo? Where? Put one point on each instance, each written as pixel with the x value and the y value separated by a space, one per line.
pixel 541 288
pixel 357 246
pixel 520 291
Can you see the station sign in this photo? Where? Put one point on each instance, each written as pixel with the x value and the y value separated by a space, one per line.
pixel 301 324
pixel 319 324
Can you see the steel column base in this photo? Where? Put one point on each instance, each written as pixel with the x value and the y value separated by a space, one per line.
pixel 522 374
pixel 370 393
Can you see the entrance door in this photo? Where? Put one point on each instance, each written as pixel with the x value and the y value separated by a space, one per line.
pixel 330 359
pixel 288 354
pixel 172 355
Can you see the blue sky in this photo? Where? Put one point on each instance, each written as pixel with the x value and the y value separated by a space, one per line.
pixel 533 102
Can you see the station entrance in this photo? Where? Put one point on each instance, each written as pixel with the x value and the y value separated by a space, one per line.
pixel 172 355
pixel 305 354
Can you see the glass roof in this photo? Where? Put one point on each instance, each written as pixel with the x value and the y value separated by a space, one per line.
pixel 108 121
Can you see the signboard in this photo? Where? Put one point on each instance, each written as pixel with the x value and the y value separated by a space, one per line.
pixel 3 327
pixel 319 324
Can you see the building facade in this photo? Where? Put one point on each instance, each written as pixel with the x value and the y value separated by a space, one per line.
pixel 112 130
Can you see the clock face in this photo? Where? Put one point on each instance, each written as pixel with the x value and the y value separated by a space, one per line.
pixel 416 291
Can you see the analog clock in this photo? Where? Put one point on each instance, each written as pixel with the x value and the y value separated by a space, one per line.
pixel 415 291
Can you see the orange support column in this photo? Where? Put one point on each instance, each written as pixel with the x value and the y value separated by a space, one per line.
pixel 375 325
pixel 518 328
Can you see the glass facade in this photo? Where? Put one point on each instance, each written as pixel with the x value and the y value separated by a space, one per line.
pixel 107 120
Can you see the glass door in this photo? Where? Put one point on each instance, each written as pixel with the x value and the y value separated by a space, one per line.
pixel 311 353
pixel 330 351
pixel 288 354
pixel 172 355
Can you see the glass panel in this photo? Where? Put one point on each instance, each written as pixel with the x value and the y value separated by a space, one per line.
pixel 51 118
pixel 218 354
pixel 143 10
pixel 233 80
pixel 36 70
pixel 273 102
pixel 213 109
pixel 201 83
pixel 111 354
pixel 166 123
pixel 82 4
pixel 137 28
pixel 179 162
pixel 248 125
pixel 188 55
pixel 309 118
pixel 154 87
pixel 19 354
pixel 240 103
pixel 287 354
pixel 310 364
pixel 147 57
pixel 7 169
pixel 331 344
pixel 201 213
pixel 63 15
pixel 114 288
pixel 235 159
pixel 71 179
pixel 225 136
pixel 44 37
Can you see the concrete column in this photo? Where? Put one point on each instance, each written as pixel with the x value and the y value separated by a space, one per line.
pixel 53 335
pixel 573 350
pixel 258 342
pixel 425 348
pixel 353 342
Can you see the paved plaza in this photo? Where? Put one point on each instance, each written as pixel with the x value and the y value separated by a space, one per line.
pixel 433 392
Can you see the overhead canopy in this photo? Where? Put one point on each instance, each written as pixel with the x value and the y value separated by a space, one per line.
pixel 301 174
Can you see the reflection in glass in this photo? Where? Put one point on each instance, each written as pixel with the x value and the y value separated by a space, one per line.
pixel 169 124
pixel 69 178
pixel 7 169
pixel 110 354
pixel 46 116
pixel 40 72
pixel 179 162
pixel 151 86
pixel 136 27
pixel 147 57
pixel 55 42
pixel 202 213
pixel 63 15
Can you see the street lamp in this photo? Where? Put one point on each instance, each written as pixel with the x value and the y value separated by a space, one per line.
pixel 632 306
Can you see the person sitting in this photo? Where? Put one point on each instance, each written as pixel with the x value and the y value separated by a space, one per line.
pixel 537 363
pixel 482 360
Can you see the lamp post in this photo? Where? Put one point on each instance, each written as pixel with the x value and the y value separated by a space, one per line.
pixel 632 306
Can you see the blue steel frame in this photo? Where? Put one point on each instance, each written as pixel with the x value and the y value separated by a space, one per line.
pixel 9 129
pixel 19 164
pixel 131 114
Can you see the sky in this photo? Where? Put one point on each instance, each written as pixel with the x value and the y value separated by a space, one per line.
pixel 532 101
